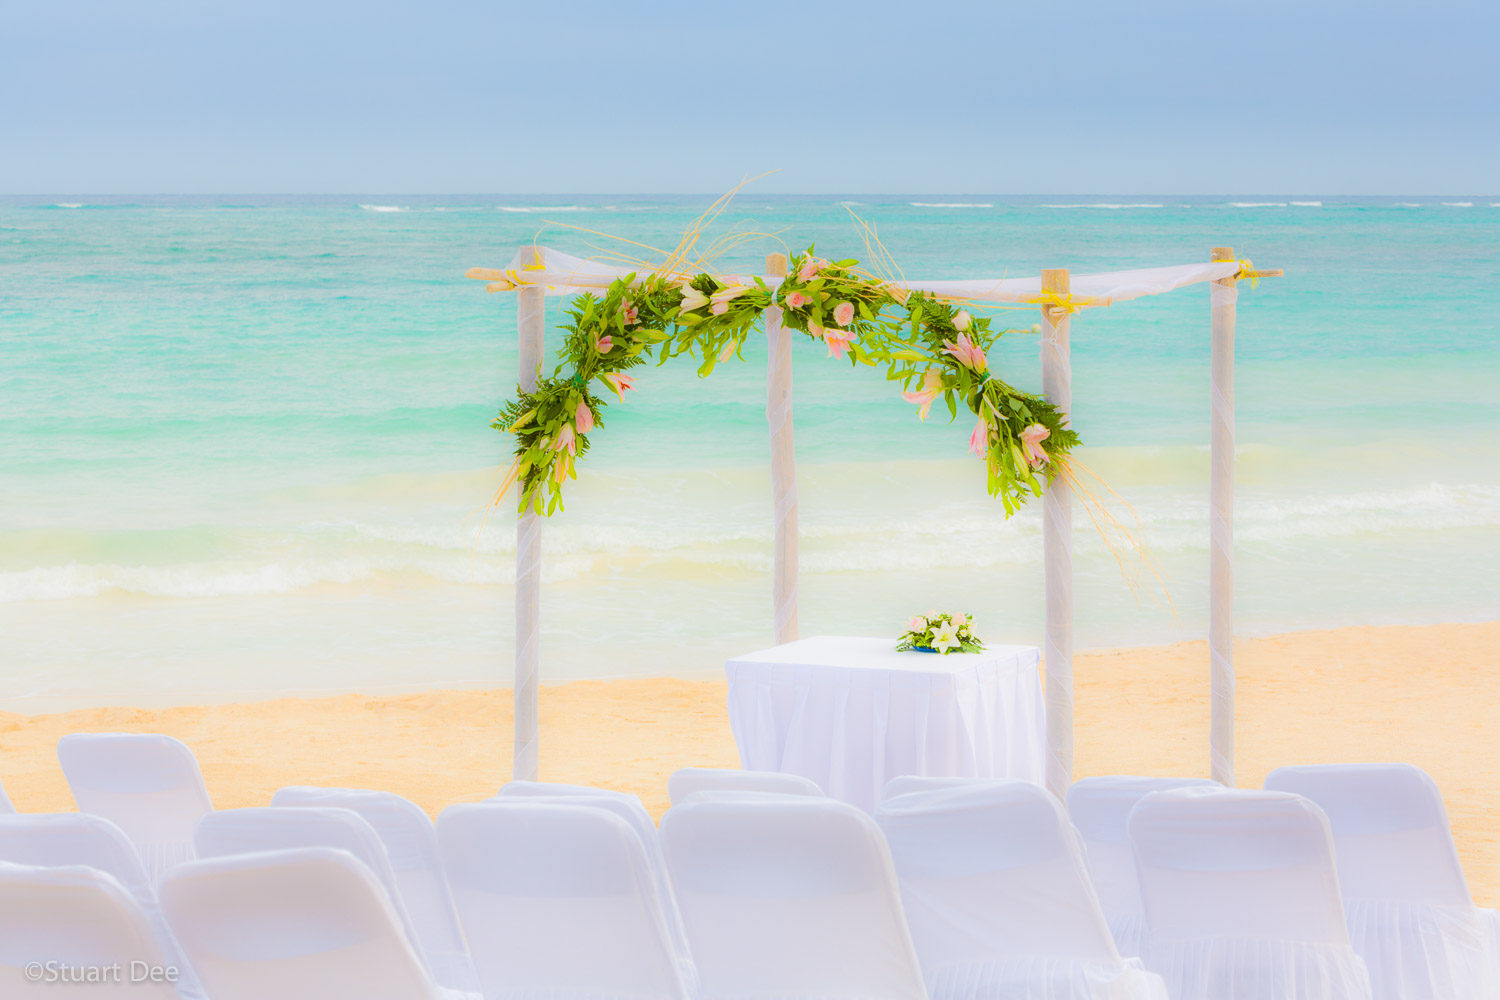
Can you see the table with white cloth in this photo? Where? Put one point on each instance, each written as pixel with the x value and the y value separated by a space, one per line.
pixel 853 713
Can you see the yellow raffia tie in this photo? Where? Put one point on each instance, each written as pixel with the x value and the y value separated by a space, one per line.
pixel 1247 269
pixel 1059 301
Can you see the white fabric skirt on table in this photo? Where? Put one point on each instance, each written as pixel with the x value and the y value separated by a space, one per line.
pixel 1417 951
pixel 1258 969
pixel 852 713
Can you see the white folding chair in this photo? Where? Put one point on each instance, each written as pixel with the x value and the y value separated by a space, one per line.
pixel 629 808
pixel 1099 808
pixel 147 784
pixel 687 780
pixel 412 847
pixel 996 891
pixel 1406 900
pixel 6 808
pixel 304 924
pixel 278 828
pixel 792 897
pixel 907 783
pixel 67 840
pixel 558 900
pixel 1242 897
pixel 58 922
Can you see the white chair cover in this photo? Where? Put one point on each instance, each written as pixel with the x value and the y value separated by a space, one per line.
pixel 908 783
pixel 1242 897
pixel 80 918
pixel 147 784
pixel 791 897
pixel 998 897
pixel 305 924
pixel 5 807
pixel 688 780
pixel 629 808
pixel 1099 808
pixel 64 840
pixel 278 828
pixel 558 901
pixel 1410 914
pixel 412 847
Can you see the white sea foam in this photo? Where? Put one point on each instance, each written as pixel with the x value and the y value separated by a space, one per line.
pixel 1105 204
pixel 952 204
pixel 1257 204
pixel 68 204
pixel 1408 204
pixel 1458 204
pixel 542 208
pixel 1308 204
pixel 384 208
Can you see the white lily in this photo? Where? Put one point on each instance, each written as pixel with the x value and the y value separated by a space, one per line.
pixel 728 294
pixel 945 637
pixel 692 298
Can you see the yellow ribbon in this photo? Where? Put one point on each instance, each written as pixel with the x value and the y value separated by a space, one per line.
pixel 1060 301
pixel 1247 270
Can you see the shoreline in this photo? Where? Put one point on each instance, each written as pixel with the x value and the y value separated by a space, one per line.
pixel 1426 694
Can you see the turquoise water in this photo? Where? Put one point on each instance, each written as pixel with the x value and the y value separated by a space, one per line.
pixel 244 445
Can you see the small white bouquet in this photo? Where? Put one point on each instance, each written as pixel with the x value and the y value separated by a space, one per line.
pixel 940 632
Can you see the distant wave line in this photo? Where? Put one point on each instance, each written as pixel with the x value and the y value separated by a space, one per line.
pixel 952 204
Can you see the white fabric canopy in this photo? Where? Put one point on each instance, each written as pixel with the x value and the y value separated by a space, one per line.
pixel 564 274
pixel 850 714
pixel 997 894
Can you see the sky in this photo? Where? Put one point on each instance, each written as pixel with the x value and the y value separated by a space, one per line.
pixel 937 96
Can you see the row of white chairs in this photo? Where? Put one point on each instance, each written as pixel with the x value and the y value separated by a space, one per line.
pixel 1241 882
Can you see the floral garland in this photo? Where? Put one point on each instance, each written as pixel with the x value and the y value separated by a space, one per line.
pixel 934 349
pixel 940 632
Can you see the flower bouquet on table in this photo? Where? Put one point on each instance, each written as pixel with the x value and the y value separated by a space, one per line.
pixel 940 632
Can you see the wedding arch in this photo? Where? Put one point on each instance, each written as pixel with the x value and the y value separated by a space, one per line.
pixel 920 332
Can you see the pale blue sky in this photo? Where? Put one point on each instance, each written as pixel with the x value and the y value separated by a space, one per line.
pixel 1210 96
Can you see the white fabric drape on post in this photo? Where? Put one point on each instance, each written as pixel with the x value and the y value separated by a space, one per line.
pixel 783 470
pixel 531 323
pixel 1223 295
pixel 1057 555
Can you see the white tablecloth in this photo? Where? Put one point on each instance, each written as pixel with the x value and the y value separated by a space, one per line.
pixel 851 714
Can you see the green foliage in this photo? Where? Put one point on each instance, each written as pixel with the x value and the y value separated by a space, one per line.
pixel 932 348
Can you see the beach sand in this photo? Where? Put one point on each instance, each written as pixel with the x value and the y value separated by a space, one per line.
pixel 1429 695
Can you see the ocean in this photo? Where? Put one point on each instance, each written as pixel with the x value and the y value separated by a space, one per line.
pixel 244 441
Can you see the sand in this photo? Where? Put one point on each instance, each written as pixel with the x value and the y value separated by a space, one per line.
pixel 1429 695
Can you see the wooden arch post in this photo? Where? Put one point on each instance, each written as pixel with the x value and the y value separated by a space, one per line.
pixel 1057 548
pixel 1224 293
pixel 531 325
pixel 783 462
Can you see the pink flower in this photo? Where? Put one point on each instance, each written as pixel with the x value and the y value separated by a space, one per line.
pixel 837 340
pixel 796 300
pixel 620 383
pixel 961 320
pixel 584 418
pixel 565 439
pixel 809 270
pixel 719 308
pixel 843 313
pixel 604 344
pixel 967 352
pixel 630 313
pixel 917 624
pixel 560 469
pixel 979 441
pixel 815 330
pixel 932 387
pixel 1031 444
pixel 728 351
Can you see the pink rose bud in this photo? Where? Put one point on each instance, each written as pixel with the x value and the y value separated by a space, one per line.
pixel 843 313
pixel 796 300
pixel 808 271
